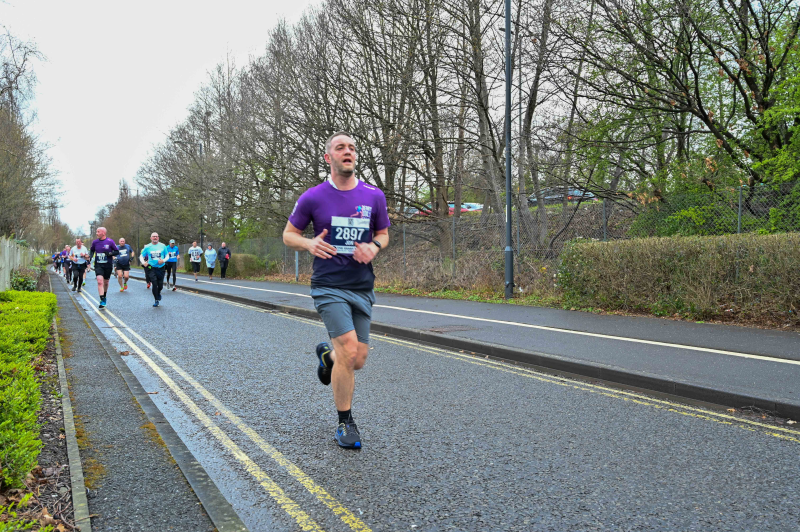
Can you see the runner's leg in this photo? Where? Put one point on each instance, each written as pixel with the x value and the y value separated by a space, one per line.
pixel 158 282
pixel 99 276
pixel 348 355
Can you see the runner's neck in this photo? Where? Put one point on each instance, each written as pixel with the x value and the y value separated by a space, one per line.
pixel 344 184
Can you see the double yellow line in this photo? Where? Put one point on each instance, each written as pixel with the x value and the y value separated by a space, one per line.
pixel 303 520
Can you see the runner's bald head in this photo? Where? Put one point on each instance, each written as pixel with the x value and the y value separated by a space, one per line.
pixel 329 142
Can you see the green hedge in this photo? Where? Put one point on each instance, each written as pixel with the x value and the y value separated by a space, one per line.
pixel 25 319
pixel 702 276
pixel 240 265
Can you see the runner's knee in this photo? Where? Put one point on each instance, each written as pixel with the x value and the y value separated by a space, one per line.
pixel 361 355
pixel 346 347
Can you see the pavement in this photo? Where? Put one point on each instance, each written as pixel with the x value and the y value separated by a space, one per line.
pixel 132 478
pixel 452 441
pixel 726 365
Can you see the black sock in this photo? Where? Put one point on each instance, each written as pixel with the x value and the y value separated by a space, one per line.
pixel 345 415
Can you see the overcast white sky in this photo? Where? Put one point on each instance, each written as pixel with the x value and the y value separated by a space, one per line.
pixel 119 75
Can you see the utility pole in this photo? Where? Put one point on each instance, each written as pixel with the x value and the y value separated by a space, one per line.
pixel 201 231
pixel 509 251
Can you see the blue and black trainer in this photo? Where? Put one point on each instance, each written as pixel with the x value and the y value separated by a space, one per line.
pixel 347 435
pixel 325 363
pixel 155 304
pixel 102 302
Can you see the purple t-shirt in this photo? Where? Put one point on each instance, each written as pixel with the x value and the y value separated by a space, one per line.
pixel 350 216
pixel 102 250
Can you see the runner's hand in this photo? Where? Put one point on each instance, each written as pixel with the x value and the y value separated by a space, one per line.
pixel 319 248
pixel 364 253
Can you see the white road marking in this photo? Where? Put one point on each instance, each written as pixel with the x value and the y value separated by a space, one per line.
pixel 556 329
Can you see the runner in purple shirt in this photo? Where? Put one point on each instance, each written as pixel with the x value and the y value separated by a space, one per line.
pixel 351 225
pixel 103 249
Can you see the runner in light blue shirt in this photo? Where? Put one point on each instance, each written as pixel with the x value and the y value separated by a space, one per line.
pixel 172 264
pixel 154 256
pixel 211 260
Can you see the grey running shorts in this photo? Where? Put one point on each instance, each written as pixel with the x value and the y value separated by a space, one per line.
pixel 345 310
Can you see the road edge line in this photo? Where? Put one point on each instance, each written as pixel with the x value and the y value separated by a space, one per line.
pixel 219 510
pixel 545 362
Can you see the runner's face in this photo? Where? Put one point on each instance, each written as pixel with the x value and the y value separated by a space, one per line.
pixel 101 233
pixel 342 156
pixel 154 238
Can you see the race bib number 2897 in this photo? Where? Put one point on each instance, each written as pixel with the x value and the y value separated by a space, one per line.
pixel 345 232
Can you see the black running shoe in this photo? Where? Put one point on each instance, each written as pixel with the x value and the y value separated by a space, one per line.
pixel 347 435
pixel 325 363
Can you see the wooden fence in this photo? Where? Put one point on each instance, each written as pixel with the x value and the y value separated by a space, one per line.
pixel 12 255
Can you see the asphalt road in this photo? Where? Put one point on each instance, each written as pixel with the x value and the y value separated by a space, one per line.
pixel 451 442
pixel 737 360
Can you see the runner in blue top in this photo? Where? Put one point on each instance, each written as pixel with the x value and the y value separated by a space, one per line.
pixel 172 263
pixel 123 263
pixel 351 226
pixel 154 256
pixel 103 249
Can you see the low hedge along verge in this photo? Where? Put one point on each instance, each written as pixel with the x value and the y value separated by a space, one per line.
pixel 701 276
pixel 239 265
pixel 25 319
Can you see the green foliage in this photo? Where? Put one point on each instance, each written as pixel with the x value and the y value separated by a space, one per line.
pixel 783 163
pixel 699 276
pixel 25 319
pixel 764 210
pixel 786 216
pixel 24 279
pixel 12 521
pixel 41 262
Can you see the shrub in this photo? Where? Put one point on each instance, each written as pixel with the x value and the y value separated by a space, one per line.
pixel 25 319
pixel 701 276
pixel 240 265
pixel 24 279
pixel 243 265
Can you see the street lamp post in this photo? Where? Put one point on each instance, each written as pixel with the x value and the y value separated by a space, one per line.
pixel 509 251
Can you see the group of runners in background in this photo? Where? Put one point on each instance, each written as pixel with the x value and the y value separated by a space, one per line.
pixel 156 259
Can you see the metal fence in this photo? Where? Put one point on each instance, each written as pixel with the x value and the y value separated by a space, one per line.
pixel 12 256
pixel 467 251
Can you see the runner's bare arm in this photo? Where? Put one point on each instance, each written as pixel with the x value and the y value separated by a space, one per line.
pixel 293 237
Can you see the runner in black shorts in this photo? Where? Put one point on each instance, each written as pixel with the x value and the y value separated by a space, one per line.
pixel 103 249
pixel 171 266
pixel 195 254
pixel 351 226
pixel 67 265
pixel 78 254
pixel 123 264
